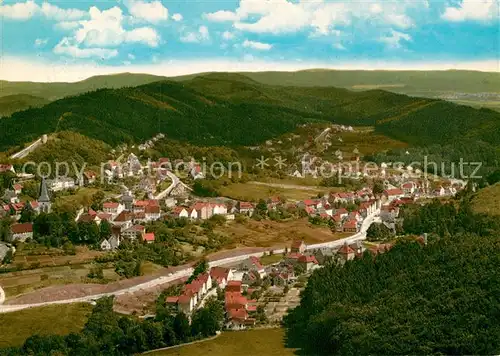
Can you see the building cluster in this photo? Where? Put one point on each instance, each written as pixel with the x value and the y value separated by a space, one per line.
pixel 13 207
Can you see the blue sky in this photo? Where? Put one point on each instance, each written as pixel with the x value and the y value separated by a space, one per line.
pixel 70 40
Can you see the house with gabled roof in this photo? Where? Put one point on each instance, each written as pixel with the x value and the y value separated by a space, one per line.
pixel 350 226
pixel 149 237
pixel 21 232
pixel 346 253
pixel 221 275
pixel 134 232
pixel 113 208
pixel 252 263
pixel 298 246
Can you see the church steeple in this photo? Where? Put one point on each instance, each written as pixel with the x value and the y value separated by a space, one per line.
pixel 44 199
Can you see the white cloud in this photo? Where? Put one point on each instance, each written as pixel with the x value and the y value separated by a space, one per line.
pixel 227 35
pixel 203 30
pixel 153 12
pixel 177 17
pixel 56 13
pixel 41 42
pixel 67 25
pixel 19 11
pixel 257 45
pixel 66 47
pixel 221 16
pixel 131 56
pixel 285 16
pixel 105 29
pixel 28 9
pixel 394 39
pixel 472 10
pixel 195 37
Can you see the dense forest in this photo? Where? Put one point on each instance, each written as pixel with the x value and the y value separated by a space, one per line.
pixel 439 298
pixel 233 110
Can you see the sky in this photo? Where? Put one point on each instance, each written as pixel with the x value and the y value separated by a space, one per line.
pixel 69 40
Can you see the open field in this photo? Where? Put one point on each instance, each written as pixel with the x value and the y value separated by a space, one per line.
pixel 273 234
pixel 487 200
pixel 48 257
pixel 21 282
pixel 63 319
pixel 270 259
pixel 261 342
pixel 254 192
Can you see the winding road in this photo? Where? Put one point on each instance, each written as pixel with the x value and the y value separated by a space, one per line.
pixel 361 235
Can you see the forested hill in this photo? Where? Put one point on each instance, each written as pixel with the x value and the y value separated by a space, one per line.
pixel 232 109
pixel 413 300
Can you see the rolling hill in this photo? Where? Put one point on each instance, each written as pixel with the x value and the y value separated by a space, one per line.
pixel 53 91
pixel 232 110
pixel 478 89
pixel 11 103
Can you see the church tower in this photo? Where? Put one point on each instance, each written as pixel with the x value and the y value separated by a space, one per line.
pixel 44 203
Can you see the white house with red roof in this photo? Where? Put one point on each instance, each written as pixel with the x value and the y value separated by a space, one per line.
pixel 346 253
pixel 221 275
pixel 409 188
pixel 245 207
pixel 219 209
pixel 18 188
pixel 203 210
pixel 350 226
pixel 298 246
pixel 21 232
pixel 180 212
pixel 112 208
pixel 392 194
pixel 152 212
pixel 149 237
pixel 309 262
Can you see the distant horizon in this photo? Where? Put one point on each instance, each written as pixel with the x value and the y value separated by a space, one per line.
pixel 18 70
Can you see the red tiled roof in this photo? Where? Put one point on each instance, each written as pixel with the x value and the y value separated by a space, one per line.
pixel 172 299
pixel 345 250
pixel 391 192
pixel 245 205
pixel 256 262
pixel 104 216
pixel 152 209
pixel 110 205
pixel 123 216
pixel 350 224
pixel 239 314
pixel 219 273
pixel 307 259
pixel 294 255
pixel 21 228
pixel 150 236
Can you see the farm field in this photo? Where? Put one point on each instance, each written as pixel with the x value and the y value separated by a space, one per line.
pixel 253 192
pixel 62 319
pixel 262 342
pixel 273 234
pixel 21 282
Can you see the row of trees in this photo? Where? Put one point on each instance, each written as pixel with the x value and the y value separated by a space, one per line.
pixel 107 333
